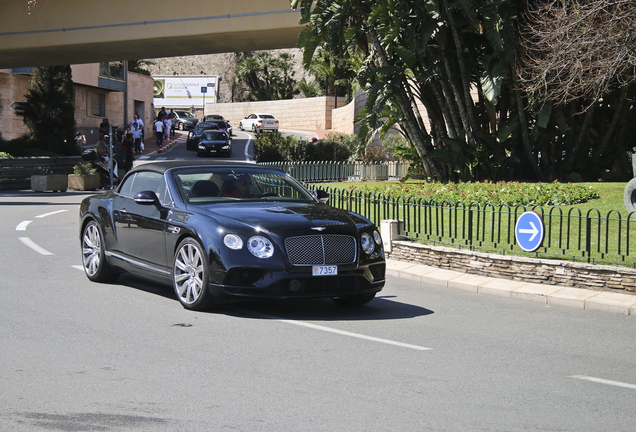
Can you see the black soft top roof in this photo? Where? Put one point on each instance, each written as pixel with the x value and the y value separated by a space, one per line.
pixel 162 166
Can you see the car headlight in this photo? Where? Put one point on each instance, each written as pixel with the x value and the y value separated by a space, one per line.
pixel 233 241
pixel 368 246
pixel 260 247
pixel 377 237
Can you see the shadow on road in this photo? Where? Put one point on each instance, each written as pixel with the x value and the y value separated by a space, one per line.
pixel 383 307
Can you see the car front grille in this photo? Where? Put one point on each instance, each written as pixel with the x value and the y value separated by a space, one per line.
pixel 321 250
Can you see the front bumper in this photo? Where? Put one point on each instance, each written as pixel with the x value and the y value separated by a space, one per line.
pixel 263 283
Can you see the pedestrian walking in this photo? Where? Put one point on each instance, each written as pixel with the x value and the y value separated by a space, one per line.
pixel 136 132
pixel 159 131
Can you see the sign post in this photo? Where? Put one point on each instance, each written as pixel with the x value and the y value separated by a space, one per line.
pixel 204 90
pixel 529 231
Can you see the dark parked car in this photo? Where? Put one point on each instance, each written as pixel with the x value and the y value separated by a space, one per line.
pixel 213 117
pixel 185 120
pixel 223 231
pixel 214 142
pixel 195 135
pixel 223 125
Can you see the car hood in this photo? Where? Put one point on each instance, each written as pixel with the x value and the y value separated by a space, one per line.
pixel 292 218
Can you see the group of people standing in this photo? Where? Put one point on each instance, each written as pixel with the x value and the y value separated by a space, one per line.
pixel 131 143
pixel 164 125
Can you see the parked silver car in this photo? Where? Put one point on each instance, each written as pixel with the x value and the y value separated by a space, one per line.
pixel 185 120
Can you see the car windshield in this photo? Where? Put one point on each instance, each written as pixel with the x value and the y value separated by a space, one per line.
pixel 214 136
pixel 205 185
pixel 184 114
pixel 205 126
pixel 268 116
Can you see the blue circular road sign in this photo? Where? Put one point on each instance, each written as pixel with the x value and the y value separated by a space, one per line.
pixel 530 231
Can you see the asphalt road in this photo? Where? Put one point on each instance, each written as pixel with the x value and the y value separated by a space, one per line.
pixel 81 356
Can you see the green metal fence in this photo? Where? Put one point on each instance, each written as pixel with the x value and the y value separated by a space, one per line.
pixel 330 171
pixel 574 236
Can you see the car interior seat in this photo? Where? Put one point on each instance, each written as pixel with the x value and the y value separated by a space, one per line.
pixel 204 188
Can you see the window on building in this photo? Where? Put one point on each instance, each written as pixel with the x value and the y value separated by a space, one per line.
pixel 98 104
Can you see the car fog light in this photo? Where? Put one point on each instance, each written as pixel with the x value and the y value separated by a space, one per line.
pixel 295 285
pixel 367 243
pixel 233 241
pixel 260 247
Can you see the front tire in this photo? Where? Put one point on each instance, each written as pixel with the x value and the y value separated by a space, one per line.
pixel 180 126
pixel 94 261
pixel 354 300
pixel 190 276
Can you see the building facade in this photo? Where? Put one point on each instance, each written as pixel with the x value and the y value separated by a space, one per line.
pixel 100 91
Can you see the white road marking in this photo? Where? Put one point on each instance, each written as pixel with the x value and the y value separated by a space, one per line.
pixel 350 334
pixel 27 241
pixel 49 214
pixel 22 225
pixel 604 381
pixel 78 267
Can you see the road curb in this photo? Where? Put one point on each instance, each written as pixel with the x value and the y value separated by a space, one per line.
pixel 580 298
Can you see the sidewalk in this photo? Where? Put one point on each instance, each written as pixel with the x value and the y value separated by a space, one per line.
pixel 150 143
pixel 542 293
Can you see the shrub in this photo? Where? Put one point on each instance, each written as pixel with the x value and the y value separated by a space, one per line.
pixel 500 193
pixel 374 154
pixel 355 146
pixel 327 150
pixel 84 168
pixel 5 155
pixel 393 144
pixel 274 147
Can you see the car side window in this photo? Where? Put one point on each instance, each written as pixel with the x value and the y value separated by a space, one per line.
pixel 124 190
pixel 148 181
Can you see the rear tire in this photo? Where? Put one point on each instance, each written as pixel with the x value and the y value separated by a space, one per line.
pixel 94 261
pixel 190 276
pixel 354 300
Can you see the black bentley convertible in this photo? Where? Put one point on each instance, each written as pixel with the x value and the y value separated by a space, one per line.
pixel 222 231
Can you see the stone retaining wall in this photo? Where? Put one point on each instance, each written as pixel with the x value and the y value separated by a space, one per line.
pixel 310 113
pixel 534 270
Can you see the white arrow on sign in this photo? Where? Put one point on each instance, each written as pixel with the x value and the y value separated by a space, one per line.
pixel 534 231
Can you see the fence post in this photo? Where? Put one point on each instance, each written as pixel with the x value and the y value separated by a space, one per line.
pixel 470 226
pixel 588 237
pixel 390 230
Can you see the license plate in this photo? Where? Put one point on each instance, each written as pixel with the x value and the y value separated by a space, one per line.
pixel 327 270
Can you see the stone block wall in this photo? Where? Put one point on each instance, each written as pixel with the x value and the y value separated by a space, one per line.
pixel 13 88
pixel 534 270
pixel 310 113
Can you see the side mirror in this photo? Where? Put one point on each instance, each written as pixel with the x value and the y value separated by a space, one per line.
pixel 322 196
pixel 147 198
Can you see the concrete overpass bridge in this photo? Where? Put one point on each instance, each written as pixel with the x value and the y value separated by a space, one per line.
pixel 60 32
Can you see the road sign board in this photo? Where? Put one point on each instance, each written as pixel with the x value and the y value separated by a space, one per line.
pixel 204 89
pixel 529 231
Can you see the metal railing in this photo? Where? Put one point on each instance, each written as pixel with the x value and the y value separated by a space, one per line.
pixel 15 173
pixel 330 171
pixel 570 235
